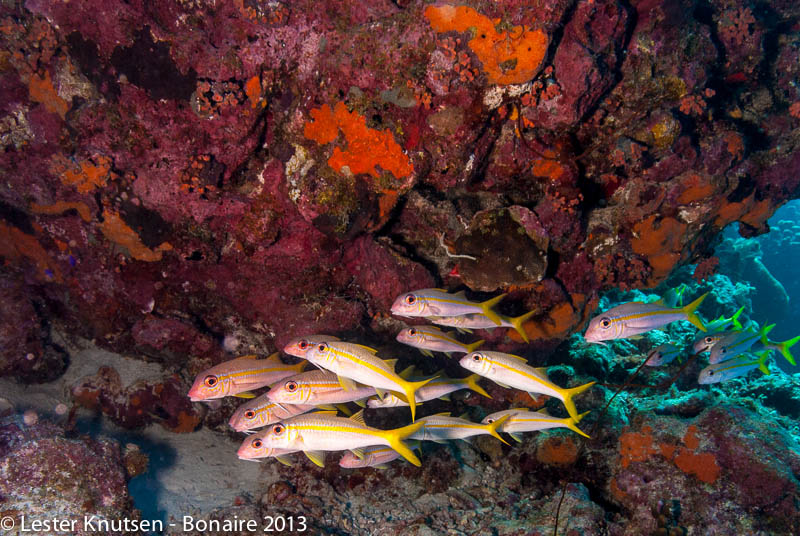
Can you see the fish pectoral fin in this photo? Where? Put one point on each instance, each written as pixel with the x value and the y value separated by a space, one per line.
pixel 407 372
pixel 347 384
pixel 502 384
pixel 515 436
pixel 446 397
pixel 381 393
pixel 381 466
pixel 245 394
pixel 316 456
pixel 360 403
pixel 425 352
pixel 284 459
pixel 326 407
pixel 344 409
pixel 520 358
pixel 440 441
pixel 442 414
pixel 391 363
pixel 463 330
pixel 358 453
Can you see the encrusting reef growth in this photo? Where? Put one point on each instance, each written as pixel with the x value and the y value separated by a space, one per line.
pixel 193 183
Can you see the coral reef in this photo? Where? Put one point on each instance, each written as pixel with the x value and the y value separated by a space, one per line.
pixel 188 181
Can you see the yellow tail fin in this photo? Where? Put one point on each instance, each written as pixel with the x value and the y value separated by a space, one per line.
pixel 395 438
pixel 474 346
pixel 690 312
pixel 784 349
pixel 492 427
pixel 517 322
pixel 472 383
pixel 570 423
pixel 410 389
pixel 486 307
pixel 569 394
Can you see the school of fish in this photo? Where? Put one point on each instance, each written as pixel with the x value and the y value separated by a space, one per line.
pixel 307 410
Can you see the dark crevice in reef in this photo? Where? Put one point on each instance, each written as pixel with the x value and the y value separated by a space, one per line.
pixel 410 252
pixel 16 217
pixel 558 33
pixel 774 27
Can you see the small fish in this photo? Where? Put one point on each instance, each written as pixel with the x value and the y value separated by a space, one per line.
pixel 253 449
pixel 438 302
pixel 300 345
pixel 376 456
pixel 262 411
pixel 722 323
pixel 316 387
pixel 442 427
pixel 437 388
pixel 733 368
pixel 322 431
pixel 737 343
pixel 238 376
pixel 509 370
pixel 782 347
pixel 662 355
pixel 524 420
pixel 705 342
pixel 355 363
pixel 633 318
pixel 467 323
pixel 428 338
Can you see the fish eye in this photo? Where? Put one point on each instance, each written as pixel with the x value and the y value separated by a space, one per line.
pixel 291 386
pixel 723 350
pixel 709 340
pixel 277 429
pixel 249 414
pixel 410 299
pixel 210 381
pixel 302 345
pixel 489 421
pixel 710 372
pixel 256 443
pixel 412 332
pixel 605 322
pixel 477 357
pixel 322 347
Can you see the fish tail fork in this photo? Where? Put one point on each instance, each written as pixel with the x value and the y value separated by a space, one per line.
pixel 784 349
pixel 691 316
pixel 571 423
pixel 492 427
pixel 570 393
pixel 410 390
pixel 486 307
pixel 472 383
pixel 395 439
pixel 518 322
pixel 474 346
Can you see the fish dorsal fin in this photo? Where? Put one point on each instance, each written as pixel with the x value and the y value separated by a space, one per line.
pixel 442 414
pixel 516 436
pixel 358 417
pixel 446 397
pixel 440 289
pixel 660 301
pixel 460 294
pixel 407 372
pixel 367 348
pixel 254 356
pixel 541 370
pixel 464 415
pixel 391 363
pixel 326 412
pixel 519 358
pixel 519 409
pixel 544 412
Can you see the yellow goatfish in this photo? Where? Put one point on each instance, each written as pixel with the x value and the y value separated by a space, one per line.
pixel 466 323
pixel 438 388
pixel 428 338
pixel 442 427
pixel 262 411
pixel 317 387
pixel 524 420
pixel 315 433
pixel 355 363
pixel 439 302
pixel 238 376
pixel 509 370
